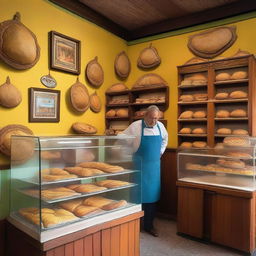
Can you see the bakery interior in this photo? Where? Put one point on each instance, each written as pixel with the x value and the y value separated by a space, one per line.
pixel 99 65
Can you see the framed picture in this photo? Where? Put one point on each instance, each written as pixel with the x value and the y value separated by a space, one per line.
pixel 64 53
pixel 44 105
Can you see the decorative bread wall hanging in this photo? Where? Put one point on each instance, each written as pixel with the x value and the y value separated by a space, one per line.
pixel 122 65
pixel 119 87
pixel 79 97
pixel 18 45
pixel 95 103
pixel 148 58
pixel 83 128
pixel 25 147
pixel 213 42
pixel 150 80
pixel 10 96
pixel 94 73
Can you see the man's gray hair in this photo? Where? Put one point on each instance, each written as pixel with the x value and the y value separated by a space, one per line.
pixel 152 108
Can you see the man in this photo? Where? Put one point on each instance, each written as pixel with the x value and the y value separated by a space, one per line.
pixel 150 143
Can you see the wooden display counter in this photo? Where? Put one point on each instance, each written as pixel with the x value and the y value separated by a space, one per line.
pixel 220 215
pixel 119 237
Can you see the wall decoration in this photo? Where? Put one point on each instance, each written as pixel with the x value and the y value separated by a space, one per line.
pixel 148 58
pixel 10 96
pixel 79 97
pixel 94 73
pixel 64 53
pixel 213 42
pixel 48 81
pixel 83 128
pixel 18 45
pixel 95 103
pixel 44 105
pixel 122 65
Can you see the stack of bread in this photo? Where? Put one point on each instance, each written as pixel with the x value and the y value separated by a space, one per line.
pixel 233 95
pixel 120 112
pixel 188 114
pixel 229 75
pixel 194 79
pixel 236 113
pixel 228 131
pixel 194 97
pixel 119 99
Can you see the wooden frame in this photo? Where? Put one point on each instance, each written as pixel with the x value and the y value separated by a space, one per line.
pixel 44 105
pixel 64 53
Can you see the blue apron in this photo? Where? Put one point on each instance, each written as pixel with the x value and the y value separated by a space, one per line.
pixel 149 151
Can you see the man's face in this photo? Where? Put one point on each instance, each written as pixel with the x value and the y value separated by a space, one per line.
pixel 151 118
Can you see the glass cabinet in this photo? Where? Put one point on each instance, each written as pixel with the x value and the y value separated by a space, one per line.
pixel 60 185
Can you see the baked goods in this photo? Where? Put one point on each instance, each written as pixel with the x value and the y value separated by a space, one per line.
pixel 231 163
pixel 97 201
pixel 122 112
pixel 112 183
pixel 223 131
pixel 186 82
pixel 102 166
pixel 199 144
pixel 239 75
pixel 50 155
pixel 94 73
pixel 236 141
pixel 111 113
pixel 194 167
pixel 185 145
pixel 221 96
pixel 199 130
pixel 200 96
pixel 119 87
pixel 238 95
pixel 95 102
pixel 83 128
pixel 54 171
pixel 54 174
pixel 223 76
pixel 219 145
pixel 84 172
pixel 86 188
pixel 186 114
pixel 238 154
pixel 222 114
pixel 122 65
pixel 114 205
pixel 71 204
pixel 199 114
pixel 238 113
pixel 240 132
pixel 186 98
pixel 185 130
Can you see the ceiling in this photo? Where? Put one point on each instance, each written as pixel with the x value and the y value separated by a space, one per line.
pixel 134 19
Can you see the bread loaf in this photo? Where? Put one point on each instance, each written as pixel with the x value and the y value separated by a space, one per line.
pixel 185 130
pixel 114 205
pixel 186 114
pixel 186 144
pixel 223 131
pixel 239 75
pixel 231 163
pixel 102 166
pixel 83 210
pixel 186 98
pixel 238 95
pixel 236 141
pixel 84 172
pixel 221 96
pixel 199 114
pixel 199 130
pixel 200 96
pixel 222 76
pixel 222 114
pixel 240 132
pixel 238 154
pixel 111 113
pixel 238 113
pixel 112 183
pixel 199 144
pixel 122 112
pixel 87 188
pixel 97 201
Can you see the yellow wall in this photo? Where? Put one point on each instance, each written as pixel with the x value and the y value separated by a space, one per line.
pixel 173 52
pixel 41 16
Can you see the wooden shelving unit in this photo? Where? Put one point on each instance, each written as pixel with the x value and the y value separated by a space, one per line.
pixel 210 69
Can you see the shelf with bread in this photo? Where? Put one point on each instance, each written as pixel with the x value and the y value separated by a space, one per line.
pixel 227 98
pixel 59 197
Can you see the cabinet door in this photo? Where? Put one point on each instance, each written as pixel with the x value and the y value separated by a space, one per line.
pixel 231 222
pixel 190 211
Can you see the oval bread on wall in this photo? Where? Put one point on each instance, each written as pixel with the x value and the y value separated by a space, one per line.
pixel 95 103
pixel 83 128
pixel 122 65
pixel 213 42
pixel 94 73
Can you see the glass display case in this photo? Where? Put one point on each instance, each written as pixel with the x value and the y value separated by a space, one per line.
pixel 60 185
pixel 230 164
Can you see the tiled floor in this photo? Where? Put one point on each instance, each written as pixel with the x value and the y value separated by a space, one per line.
pixel 170 244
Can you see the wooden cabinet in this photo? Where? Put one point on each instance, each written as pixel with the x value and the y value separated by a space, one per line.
pixel 208 103
pixel 135 101
pixel 221 215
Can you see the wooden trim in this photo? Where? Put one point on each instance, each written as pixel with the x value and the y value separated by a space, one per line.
pixel 219 190
pixel 2 237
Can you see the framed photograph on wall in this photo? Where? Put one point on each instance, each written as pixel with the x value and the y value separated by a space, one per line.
pixel 44 105
pixel 64 53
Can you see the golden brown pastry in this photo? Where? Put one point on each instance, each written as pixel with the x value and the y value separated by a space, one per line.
pixel 50 155
pixel 186 82
pixel 238 113
pixel 58 177
pixel 236 141
pixel 102 166
pixel 199 130
pixel 238 95
pixel 221 96
pixel 185 130
pixel 87 188
pixel 200 96
pixel 223 131
pixel 83 210
pixel 199 144
pixel 122 112
pixel 239 75
pixel 219 145
pixel 84 172
pixel 111 113
pixel 223 76
pixel 71 205
pixel 191 166
pixel 199 114
pixel 54 171
pixel 222 114
pixel 186 144
pixel 112 183
pixel 97 201
pixel 238 154
pixel 186 114
pixel 186 98
pixel 114 205
pixel 240 132
pixel 231 163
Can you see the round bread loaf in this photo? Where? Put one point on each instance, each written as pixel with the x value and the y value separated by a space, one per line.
pixel 199 144
pixel 185 130
pixel 238 95
pixel 238 154
pixel 231 163
pixel 186 144
pixel 240 132
pixel 198 77
pixel 222 76
pixel 111 113
pixel 186 98
pixel 238 113
pixel 224 131
pixel 186 82
pixel 186 114
pixel 83 128
pixel 239 75
pixel 199 130
pixel 236 141
pixel 200 96
pixel 222 113
pixel 122 112
pixel 199 114
pixel 221 96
